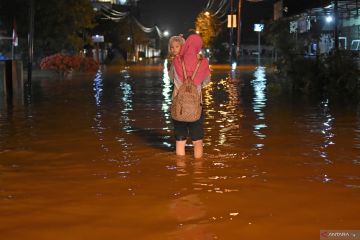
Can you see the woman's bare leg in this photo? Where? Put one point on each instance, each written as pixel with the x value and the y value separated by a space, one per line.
pixel 180 148
pixel 198 148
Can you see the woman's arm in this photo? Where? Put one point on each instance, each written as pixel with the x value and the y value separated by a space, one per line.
pixel 206 81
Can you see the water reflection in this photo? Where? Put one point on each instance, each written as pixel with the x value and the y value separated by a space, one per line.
pixel 181 166
pixel 166 92
pixel 326 130
pixel 223 95
pixel 319 123
pixel 259 104
pixel 188 208
pixel 98 87
pixel 98 119
pixel 189 211
pixel 127 101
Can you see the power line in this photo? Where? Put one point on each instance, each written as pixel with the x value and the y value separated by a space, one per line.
pixel 111 14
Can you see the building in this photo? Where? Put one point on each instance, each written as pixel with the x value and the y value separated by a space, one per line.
pixel 324 15
pixel 98 4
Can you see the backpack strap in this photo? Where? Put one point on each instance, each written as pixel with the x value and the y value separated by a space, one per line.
pixel 184 69
pixel 195 71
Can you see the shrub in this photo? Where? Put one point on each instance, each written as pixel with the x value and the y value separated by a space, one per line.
pixel 64 64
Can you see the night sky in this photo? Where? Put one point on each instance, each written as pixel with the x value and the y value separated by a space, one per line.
pixel 179 16
pixel 174 16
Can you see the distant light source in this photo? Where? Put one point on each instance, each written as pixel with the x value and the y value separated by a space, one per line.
pixel 329 19
pixel 128 38
pixel 207 13
pixel 233 66
pixel 166 33
pixel 197 32
pixel 97 38
pixel 258 27
pixel 232 21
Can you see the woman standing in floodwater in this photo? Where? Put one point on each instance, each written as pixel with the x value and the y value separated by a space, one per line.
pixel 189 63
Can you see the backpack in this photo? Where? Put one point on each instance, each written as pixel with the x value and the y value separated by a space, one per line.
pixel 186 104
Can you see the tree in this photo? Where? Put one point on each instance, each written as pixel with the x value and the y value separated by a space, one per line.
pixel 208 28
pixel 62 24
pixel 59 25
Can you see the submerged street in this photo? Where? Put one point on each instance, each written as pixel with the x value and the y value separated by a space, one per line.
pixel 93 158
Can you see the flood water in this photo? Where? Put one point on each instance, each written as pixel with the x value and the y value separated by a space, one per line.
pixel 93 158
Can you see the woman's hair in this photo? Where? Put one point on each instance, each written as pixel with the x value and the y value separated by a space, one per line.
pixel 178 38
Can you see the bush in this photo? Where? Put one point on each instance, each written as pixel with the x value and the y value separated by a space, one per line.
pixel 342 72
pixel 336 73
pixel 64 64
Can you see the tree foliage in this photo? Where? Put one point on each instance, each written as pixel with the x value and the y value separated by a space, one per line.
pixel 208 27
pixel 59 25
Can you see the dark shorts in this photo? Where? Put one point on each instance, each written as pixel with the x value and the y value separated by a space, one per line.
pixel 193 129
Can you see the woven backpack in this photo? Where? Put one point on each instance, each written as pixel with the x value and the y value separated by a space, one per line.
pixel 186 104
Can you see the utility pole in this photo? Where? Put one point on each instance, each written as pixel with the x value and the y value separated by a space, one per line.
pixel 336 21
pixel 239 28
pixel 231 41
pixel 31 40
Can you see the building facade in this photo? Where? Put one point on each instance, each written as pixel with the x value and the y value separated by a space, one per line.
pixel 331 19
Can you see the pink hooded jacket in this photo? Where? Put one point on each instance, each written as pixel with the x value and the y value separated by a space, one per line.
pixel 189 53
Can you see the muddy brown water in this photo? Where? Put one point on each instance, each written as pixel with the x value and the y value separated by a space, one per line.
pixel 93 158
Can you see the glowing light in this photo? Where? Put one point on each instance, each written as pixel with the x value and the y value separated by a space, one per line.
pixel 207 13
pixel 259 103
pixel 329 19
pixel 166 33
pixel 98 87
pixel 233 66
pixel 166 91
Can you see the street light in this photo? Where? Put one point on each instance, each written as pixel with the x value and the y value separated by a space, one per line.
pixel 329 19
pixel 259 28
pixel 166 33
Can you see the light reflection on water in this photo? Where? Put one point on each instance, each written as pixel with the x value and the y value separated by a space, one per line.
pixel 98 87
pixel 127 104
pixel 98 122
pixel 326 131
pixel 221 101
pixel 259 104
pixel 319 123
pixel 167 93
